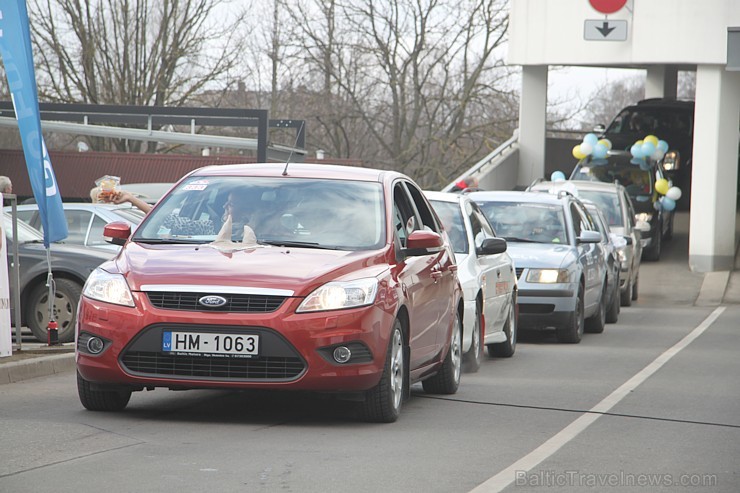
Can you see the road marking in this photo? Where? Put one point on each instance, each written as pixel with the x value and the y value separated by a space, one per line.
pixel 504 478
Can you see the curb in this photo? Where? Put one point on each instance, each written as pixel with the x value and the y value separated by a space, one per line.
pixel 36 367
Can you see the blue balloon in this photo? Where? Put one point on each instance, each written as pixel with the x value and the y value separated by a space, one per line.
pixel 557 176
pixel 648 148
pixel 663 146
pixel 657 205
pixel 667 204
pixel 592 139
pixel 636 151
pixel 600 151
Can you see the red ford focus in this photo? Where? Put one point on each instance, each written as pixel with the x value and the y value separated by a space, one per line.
pixel 312 277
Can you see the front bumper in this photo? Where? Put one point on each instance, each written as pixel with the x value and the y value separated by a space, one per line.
pixel 295 349
pixel 546 305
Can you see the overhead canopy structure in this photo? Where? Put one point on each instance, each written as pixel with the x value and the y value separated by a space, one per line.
pixel 662 37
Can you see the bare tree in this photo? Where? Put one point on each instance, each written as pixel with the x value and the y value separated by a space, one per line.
pixel 413 85
pixel 131 52
pixel 610 98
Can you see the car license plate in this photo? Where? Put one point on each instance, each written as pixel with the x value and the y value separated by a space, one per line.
pixel 243 345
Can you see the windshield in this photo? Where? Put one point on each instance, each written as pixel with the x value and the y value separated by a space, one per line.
pixel 26 234
pixel 608 203
pixel 316 213
pixel 452 219
pixel 134 216
pixel 657 121
pixel 638 182
pixel 526 222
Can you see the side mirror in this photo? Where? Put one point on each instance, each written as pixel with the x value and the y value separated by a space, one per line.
pixel 642 226
pixel 421 242
pixel 600 128
pixel 117 233
pixel 589 237
pixel 628 239
pixel 491 246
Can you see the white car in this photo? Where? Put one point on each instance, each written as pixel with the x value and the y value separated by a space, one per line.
pixel 487 275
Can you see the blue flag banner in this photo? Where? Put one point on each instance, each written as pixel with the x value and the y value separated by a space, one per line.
pixel 15 48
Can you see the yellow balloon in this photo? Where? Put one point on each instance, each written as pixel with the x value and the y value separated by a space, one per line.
pixel 606 143
pixel 639 142
pixel 651 138
pixel 577 152
pixel 662 186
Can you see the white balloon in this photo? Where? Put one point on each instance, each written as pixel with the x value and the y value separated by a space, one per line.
pixel 673 193
pixel 586 148
pixel 657 155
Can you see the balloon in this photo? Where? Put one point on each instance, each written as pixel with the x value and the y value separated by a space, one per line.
pixel 662 186
pixel 652 139
pixel 577 152
pixel 606 142
pixel 600 151
pixel 657 205
pixel 645 165
pixel 591 139
pixel 586 148
pixel 673 193
pixel 657 155
pixel 648 148
pixel 667 204
pixel 557 176
pixel 636 151
pixel 662 145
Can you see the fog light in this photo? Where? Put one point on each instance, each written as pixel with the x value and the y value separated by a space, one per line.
pixel 95 345
pixel 342 354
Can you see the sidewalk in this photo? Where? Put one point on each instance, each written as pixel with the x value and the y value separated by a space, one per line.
pixel 710 289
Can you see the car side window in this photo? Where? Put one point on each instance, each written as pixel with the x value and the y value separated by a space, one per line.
pixel 480 226
pixel 404 216
pixel 577 220
pixel 96 232
pixel 426 215
pixel 78 222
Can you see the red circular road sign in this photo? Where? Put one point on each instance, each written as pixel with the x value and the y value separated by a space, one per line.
pixel 607 6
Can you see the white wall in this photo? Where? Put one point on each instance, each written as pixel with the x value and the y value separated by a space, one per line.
pixel 550 32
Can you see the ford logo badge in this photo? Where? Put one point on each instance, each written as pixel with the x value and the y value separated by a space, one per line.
pixel 212 300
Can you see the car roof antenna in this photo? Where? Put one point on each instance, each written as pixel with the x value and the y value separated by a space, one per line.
pixel 290 156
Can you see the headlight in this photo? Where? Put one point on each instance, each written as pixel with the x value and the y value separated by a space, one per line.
pixel 622 254
pixel 339 295
pixel 547 276
pixel 671 161
pixel 644 216
pixel 111 288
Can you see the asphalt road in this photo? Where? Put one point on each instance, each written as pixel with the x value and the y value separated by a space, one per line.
pixel 652 404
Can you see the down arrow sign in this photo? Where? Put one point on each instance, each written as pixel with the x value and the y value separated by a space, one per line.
pixel 605 29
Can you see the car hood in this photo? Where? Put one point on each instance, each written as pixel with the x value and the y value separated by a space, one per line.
pixel 541 255
pixel 299 270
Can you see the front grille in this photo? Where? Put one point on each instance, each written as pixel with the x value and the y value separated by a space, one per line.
pixel 519 271
pixel 235 303
pixel 263 368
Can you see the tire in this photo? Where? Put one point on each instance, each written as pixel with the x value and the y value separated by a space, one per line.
pixel 447 379
pixel 383 402
pixel 634 288
pixel 625 297
pixel 67 297
pixel 101 400
pixel 507 348
pixel 472 359
pixel 612 313
pixel 595 324
pixel 573 331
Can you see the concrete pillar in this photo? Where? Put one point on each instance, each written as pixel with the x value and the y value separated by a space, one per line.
pixel 661 81
pixel 532 121
pixel 715 168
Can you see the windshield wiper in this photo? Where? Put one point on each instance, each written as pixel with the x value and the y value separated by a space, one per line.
pixel 300 244
pixel 168 241
pixel 523 240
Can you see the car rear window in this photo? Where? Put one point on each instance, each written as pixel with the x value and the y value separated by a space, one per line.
pixel 526 222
